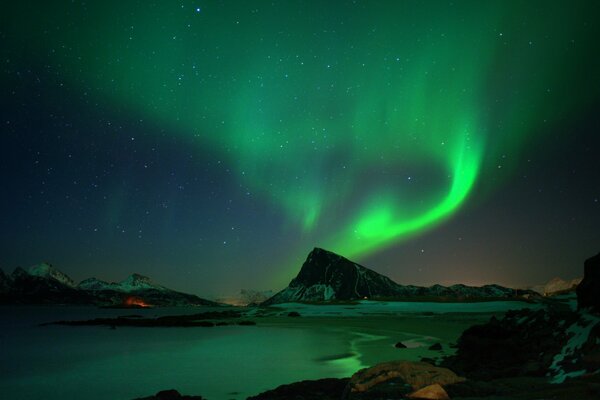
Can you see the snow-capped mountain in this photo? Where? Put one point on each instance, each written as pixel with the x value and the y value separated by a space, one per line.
pixel 132 283
pixel 45 270
pixel 327 276
pixel 558 286
pixel 45 284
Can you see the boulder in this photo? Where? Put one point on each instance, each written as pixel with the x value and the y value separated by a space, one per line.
pixel 552 342
pixel 414 374
pixel 322 389
pixel 400 345
pixel 436 346
pixel 431 392
pixel 587 290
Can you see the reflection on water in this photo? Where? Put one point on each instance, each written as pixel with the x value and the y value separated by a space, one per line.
pixel 92 362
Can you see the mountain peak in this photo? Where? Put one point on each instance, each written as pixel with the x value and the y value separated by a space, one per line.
pixel 327 276
pixel 46 270
pixel 137 281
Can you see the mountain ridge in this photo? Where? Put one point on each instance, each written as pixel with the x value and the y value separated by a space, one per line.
pixel 45 284
pixel 327 276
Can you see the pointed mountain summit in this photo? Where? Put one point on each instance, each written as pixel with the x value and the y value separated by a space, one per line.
pixel 132 283
pixel 327 276
pixel 138 282
pixel 42 284
pixel 46 270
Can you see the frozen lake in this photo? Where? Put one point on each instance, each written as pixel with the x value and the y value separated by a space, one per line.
pixel 228 362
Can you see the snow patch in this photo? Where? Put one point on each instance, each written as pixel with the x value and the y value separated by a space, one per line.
pixel 579 333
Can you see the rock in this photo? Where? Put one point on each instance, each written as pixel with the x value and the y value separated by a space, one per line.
pixel 392 389
pixel 527 343
pixel 322 389
pixel 171 394
pixel 400 345
pixel 436 346
pixel 587 290
pixel 431 392
pixel 204 319
pixel 294 314
pixel 416 374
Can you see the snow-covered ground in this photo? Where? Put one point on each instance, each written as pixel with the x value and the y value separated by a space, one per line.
pixel 579 333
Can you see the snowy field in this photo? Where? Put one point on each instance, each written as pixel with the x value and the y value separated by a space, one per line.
pixel 229 362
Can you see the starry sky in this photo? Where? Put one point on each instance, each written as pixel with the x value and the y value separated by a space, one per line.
pixel 212 144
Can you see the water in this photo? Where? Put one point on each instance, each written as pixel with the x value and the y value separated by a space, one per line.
pixel 228 362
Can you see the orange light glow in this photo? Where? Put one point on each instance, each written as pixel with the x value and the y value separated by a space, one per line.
pixel 135 302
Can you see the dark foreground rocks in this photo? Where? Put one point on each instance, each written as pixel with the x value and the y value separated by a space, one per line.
pixel 390 380
pixel 523 388
pixel 588 291
pixel 555 343
pixel 397 379
pixel 205 319
pixel 170 395
pixel 322 389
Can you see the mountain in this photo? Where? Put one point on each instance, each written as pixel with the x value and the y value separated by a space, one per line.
pixel 45 270
pixel 556 286
pixel 246 297
pixel 132 283
pixel 5 282
pixel 140 288
pixel 45 284
pixel 25 288
pixel 559 286
pixel 326 276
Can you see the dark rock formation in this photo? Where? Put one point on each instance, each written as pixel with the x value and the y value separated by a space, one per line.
pixel 205 320
pixel 588 291
pixel 436 346
pixel 322 389
pixel 405 377
pixel 171 394
pixel 400 345
pixel 326 276
pixel 552 342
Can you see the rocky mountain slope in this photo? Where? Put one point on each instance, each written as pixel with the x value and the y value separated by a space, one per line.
pixel 45 284
pixel 327 276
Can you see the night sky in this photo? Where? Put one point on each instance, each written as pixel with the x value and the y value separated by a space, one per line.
pixel 212 144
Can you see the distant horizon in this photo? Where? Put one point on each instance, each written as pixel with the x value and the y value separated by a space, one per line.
pixel 213 296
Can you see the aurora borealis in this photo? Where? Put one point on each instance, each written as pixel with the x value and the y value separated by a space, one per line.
pixel 212 144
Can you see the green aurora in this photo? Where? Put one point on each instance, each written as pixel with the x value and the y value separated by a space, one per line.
pixel 363 123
